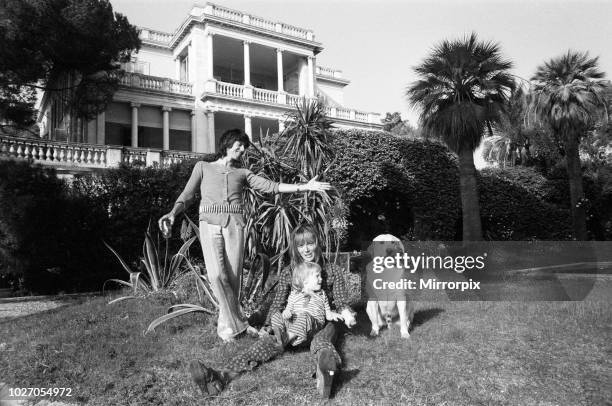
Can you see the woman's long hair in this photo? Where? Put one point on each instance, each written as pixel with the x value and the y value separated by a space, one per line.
pixel 304 234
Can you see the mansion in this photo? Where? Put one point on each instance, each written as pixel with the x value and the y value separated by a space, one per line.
pixel 220 69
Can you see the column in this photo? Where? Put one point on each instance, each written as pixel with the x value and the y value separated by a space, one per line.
pixel 210 85
pixel 311 92
pixel 194 143
pixel 247 63
pixel 177 68
pixel 209 56
pixel 248 129
pixel 135 124
pixel 279 68
pixel 282 97
pixel 248 89
pixel 212 142
pixel 101 129
pixel 166 127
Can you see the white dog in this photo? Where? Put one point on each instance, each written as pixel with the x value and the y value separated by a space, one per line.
pixel 383 312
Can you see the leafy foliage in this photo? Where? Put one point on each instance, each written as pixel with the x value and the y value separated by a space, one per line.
pixel 300 153
pixel 43 42
pixel 48 237
pixel 463 87
pixel 569 96
pixel 160 271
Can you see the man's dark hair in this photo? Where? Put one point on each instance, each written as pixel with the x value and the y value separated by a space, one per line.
pixel 229 137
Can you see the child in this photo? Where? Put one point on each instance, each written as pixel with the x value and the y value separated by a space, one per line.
pixel 307 307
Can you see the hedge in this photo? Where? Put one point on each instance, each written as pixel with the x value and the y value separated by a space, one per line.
pixel 51 234
pixel 415 184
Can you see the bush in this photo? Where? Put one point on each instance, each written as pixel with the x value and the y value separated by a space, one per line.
pixel 415 184
pixel 513 206
pixel 47 237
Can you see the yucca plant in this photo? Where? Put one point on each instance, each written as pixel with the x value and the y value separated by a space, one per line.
pixel 298 154
pixel 161 271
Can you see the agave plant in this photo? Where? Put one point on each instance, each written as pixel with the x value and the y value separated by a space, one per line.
pixel 161 270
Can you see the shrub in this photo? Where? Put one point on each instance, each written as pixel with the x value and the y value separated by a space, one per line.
pixel 131 198
pixel 513 206
pixel 415 184
pixel 47 236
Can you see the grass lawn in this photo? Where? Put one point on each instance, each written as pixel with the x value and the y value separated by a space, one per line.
pixel 460 353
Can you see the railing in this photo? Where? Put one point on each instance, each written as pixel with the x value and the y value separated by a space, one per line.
pixel 333 73
pixel 54 153
pixel 294 31
pixel 230 89
pixel 361 116
pixel 272 96
pixel 268 96
pixel 343 113
pixel 155 36
pixel 261 23
pixel 155 83
pixel 293 99
pixel 247 19
pixel 226 13
pixel 175 157
pixel 132 155
pixel 86 156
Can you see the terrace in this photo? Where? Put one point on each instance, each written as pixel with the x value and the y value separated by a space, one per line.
pixel 76 157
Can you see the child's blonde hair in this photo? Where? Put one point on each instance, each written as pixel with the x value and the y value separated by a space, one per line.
pixel 301 272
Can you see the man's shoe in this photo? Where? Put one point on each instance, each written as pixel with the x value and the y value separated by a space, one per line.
pixel 326 370
pixel 210 382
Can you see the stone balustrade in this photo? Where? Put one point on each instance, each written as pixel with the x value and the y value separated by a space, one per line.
pixel 161 37
pixel 268 96
pixel 73 156
pixel 288 99
pixel 329 72
pixel 156 83
pixel 262 23
pixel 229 89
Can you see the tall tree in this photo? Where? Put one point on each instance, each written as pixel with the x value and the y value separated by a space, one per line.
pixel 393 123
pixel 463 87
pixel 69 46
pixel 569 95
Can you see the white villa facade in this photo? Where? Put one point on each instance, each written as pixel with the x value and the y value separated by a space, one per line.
pixel 220 69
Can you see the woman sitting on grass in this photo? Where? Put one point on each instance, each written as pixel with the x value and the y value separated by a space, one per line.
pixel 304 247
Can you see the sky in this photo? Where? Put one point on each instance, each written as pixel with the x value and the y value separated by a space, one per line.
pixel 377 43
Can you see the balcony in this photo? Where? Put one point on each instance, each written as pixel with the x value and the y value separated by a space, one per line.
pixel 215 12
pixel 249 93
pixel 73 157
pixel 228 14
pixel 155 83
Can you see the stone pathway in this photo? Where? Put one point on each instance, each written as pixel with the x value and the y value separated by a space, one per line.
pixel 10 310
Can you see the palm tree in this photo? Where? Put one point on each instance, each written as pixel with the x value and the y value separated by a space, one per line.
pixel 569 96
pixel 462 89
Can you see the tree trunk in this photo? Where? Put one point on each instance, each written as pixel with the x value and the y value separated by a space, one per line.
pixel 472 228
pixel 574 174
